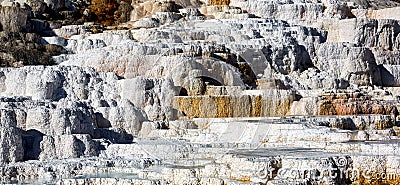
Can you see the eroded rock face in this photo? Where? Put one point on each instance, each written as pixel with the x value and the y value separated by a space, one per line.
pixel 155 96
pixel 74 146
pixel 352 107
pixel 343 103
pixel 10 138
pixel 276 52
pixel 183 70
pixel 108 12
pixel 62 110
pixel 377 4
pixel 124 102
pixel 13 19
pixel 21 49
pixel 369 32
pixel 389 75
pixel 354 64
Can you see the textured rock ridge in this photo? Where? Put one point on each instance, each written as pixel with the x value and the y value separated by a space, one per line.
pixel 112 97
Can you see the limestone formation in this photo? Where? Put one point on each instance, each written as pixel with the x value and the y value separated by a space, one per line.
pixel 199 92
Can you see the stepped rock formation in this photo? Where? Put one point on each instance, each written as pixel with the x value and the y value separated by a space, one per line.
pixel 199 92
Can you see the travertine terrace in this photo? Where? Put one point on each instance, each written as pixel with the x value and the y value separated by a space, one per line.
pixel 200 92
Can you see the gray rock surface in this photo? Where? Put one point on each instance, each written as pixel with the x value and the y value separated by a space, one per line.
pixel 73 146
pixel 10 138
pixel 345 61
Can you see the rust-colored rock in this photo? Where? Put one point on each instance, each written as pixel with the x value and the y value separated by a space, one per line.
pixel 354 103
pixel 109 12
pixel 103 11
pixel 327 108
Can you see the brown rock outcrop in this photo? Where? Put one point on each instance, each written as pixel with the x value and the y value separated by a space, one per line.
pixel 108 12
pixel 147 8
pixel 103 11
pixel 20 49
pixel 10 138
pixel 12 19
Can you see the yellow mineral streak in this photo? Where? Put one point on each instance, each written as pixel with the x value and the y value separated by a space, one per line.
pixel 218 2
pixel 221 106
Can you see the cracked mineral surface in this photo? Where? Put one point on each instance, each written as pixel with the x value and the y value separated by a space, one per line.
pixel 199 92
